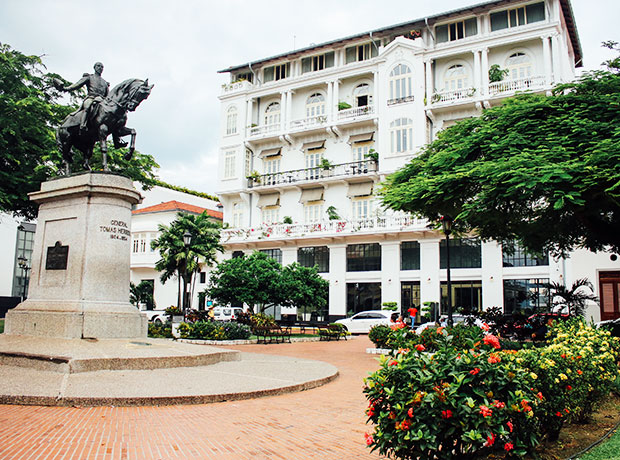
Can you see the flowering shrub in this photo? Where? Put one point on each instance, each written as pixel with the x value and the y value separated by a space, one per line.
pixel 576 371
pixel 454 404
pixel 379 335
pixel 214 330
pixel 396 337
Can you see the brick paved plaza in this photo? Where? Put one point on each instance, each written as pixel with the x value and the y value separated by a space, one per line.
pixel 323 423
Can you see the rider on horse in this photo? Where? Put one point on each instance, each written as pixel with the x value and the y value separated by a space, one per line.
pixel 97 91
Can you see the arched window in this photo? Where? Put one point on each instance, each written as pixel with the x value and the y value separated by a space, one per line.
pixel 401 135
pixel 457 77
pixel 237 215
pixel 315 105
pixel 400 82
pixel 361 95
pixel 231 120
pixel 519 66
pixel 272 114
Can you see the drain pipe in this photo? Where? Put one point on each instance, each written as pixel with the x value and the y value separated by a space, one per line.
pixel 429 30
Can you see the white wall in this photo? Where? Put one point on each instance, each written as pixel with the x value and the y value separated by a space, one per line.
pixel 8 235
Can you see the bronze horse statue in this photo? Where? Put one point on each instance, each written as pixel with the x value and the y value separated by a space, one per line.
pixel 104 118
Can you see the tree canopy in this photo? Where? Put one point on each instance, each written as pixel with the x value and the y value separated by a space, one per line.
pixel 30 111
pixel 539 170
pixel 185 261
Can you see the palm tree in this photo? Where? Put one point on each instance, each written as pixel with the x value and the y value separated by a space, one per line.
pixel 183 261
pixel 574 298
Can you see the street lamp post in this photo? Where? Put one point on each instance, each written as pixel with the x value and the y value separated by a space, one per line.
pixel 23 264
pixel 446 223
pixel 187 240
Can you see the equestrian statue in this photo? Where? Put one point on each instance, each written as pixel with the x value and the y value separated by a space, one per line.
pixel 102 113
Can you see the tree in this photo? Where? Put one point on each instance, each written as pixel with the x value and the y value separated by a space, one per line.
pixel 30 111
pixel 575 298
pixel 539 170
pixel 142 293
pixel 306 289
pixel 185 261
pixel 255 280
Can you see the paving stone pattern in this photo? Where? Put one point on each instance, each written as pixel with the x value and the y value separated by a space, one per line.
pixel 323 423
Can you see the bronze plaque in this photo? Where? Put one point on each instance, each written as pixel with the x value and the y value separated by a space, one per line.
pixel 57 256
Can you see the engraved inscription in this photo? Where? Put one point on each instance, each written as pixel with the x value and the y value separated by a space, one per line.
pixel 57 257
pixel 117 229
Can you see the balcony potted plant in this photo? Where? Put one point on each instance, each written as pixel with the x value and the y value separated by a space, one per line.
pixel 496 73
pixel 372 155
pixel 332 213
pixel 343 105
pixel 255 177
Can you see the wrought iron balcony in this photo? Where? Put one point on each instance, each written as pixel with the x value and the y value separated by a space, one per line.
pixel 325 228
pixel 520 84
pixel 314 174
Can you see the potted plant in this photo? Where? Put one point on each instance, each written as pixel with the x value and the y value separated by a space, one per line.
pixel 343 105
pixel 496 73
pixel 287 220
pixel 255 177
pixel 392 306
pixel 372 155
pixel 332 213
pixel 325 164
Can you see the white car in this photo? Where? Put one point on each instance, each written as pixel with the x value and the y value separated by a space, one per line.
pixel 362 322
pixel 156 316
pixel 226 313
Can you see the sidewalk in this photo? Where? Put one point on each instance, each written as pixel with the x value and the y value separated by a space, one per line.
pixel 323 423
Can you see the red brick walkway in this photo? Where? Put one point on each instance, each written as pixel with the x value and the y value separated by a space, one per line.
pixel 323 423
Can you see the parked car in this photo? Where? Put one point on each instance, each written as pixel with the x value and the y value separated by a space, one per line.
pixel 226 313
pixel 361 322
pixel 156 316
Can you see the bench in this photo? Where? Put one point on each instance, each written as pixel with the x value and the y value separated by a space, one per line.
pixel 332 332
pixel 271 334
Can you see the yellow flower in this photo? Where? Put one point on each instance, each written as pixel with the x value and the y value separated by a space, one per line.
pixel 534 376
pixel 563 377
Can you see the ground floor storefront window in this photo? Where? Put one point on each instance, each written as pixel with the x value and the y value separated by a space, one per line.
pixel 466 296
pixel 409 295
pixel 362 297
pixel 526 296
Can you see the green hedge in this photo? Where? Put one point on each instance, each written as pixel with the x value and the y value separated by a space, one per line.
pixel 214 330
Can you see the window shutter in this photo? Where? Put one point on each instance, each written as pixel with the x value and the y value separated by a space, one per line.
pixel 268 74
pixel 306 65
pixel 351 54
pixel 329 60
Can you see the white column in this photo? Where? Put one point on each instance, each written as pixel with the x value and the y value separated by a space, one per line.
pixel 390 272
pixel 248 115
pixel 428 69
pixel 375 96
pixel 485 71
pixel 492 280
pixel 547 59
pixel 283 111
pixel 337 280
pixel 289 109
pixel 336 96
pixel 429 271
pixel 331 106
pixel 289 255
pixel 477 72
pixel 555 58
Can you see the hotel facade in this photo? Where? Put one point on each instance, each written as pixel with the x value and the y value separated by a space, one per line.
pixel 307 137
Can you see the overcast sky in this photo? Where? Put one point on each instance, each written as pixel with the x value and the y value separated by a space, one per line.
pixel 180 45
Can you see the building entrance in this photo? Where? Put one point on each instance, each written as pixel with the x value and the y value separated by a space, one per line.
pixel 609 283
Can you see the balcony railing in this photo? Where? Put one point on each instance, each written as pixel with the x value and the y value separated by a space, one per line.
pixel 521 84
pixel 314 174
pixel 400 100
pixel 356 112
pixel 309 122
pixel 263 129
pixel 241 85
pixel 456 95
pixel 323 228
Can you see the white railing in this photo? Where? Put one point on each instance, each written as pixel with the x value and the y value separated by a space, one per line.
pixel 356 112
pixel 236 86
pixel 323 228
pixel 520 84
pixel 400 100
pixel 263 129
pixel 456 95
pixel 309 122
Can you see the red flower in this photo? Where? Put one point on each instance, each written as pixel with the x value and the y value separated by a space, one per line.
pixel 368 438
pixel 493 359
pixel 405 425
pixel 508 447
pixel 412 312
pixel 500 405
pixel 579 372
pixel 563 355
pixel 490 339
pixel 474 371
pixel 558 414
pixel 569 388
pixel 491 440
pixel 398 325
pixel 410 412
pixel 446 413
pixel 485 327
pixel 509 425
pixel 393 363
pixel 540 396
pixel 485 411
pixel 567 411
pixel 370 411
pixel 420 347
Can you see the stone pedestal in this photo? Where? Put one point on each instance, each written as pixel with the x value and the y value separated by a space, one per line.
pixel 79 285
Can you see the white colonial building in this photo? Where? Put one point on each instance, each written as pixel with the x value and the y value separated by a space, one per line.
pixel 307 136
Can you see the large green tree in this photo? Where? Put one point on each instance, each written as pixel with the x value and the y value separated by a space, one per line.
pixel 30 110
pixel 540 170
pixel 306 289
pixel 181 261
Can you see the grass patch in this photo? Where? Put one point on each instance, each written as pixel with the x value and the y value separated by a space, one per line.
pixel 608 450
pixel 1 326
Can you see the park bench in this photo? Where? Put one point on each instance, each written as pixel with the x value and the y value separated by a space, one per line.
pixel 271 334
pixel 332 332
